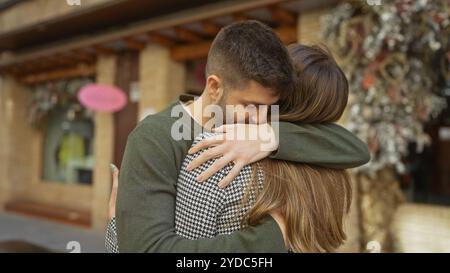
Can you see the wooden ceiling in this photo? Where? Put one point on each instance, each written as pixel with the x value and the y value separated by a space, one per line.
pixel 91 20
pixel 188 35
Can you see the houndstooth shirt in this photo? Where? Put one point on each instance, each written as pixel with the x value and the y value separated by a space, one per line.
pixel 203 210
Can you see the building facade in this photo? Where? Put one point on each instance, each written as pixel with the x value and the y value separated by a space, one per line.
pixel 54 154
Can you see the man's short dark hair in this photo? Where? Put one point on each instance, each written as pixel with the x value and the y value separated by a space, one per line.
pixel 250 50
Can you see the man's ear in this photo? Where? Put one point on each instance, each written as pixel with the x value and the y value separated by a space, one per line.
pixel 214 88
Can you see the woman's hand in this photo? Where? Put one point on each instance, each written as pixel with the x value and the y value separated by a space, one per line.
pixel 113 197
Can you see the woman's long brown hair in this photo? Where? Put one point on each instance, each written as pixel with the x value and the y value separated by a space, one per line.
pixel 313 200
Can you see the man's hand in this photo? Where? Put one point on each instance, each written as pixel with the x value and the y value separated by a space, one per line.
pixel 241 144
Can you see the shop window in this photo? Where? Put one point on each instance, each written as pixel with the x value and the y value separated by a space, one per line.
pixel 68 132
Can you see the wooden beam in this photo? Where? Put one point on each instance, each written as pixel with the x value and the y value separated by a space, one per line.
pixel 72 72
pixel 210 27
pixel 34 66
pixel 37 66
pixel 104 50
pixel 65 59
pixel 287 34
pixel 241 17
pixel 15 70
pixel 83 56
pixel 29 67
pixel 160 39
pixel 189 52
pixel 282 15
pixel 46 64
pixel 134 44
pixel 60 60
pixel 187 35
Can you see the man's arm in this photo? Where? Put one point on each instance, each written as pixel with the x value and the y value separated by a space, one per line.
pixel 146 203
pixel 328 145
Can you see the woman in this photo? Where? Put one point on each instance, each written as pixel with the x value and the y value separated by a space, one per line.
pixel 308 202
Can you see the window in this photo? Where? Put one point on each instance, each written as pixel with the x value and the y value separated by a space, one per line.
pixel 68 132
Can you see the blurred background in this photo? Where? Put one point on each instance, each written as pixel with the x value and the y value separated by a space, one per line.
pixel 55 149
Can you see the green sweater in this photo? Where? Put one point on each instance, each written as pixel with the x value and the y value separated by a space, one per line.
pixel 149 173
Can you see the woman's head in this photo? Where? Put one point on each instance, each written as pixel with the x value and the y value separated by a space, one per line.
pixel 321 87
pixel 313 200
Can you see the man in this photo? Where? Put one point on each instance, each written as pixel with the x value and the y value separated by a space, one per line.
pixel 247 65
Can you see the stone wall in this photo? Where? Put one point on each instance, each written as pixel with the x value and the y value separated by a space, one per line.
pixel 161 79
pixel 15 140
pixel 21 156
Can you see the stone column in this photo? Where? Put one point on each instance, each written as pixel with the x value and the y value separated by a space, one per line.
pixel 16 140
pixel 103 147
pixel 161 79
pixel 4 191
pixel 309 28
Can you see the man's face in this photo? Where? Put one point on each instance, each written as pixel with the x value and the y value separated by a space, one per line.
pixel 240 103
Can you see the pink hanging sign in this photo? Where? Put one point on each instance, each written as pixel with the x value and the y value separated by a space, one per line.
pixel 102 98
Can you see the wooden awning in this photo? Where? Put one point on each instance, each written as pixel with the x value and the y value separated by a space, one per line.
pixel 187 33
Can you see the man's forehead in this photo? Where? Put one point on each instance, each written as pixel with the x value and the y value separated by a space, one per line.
pixel 260 99
pixel 255 93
